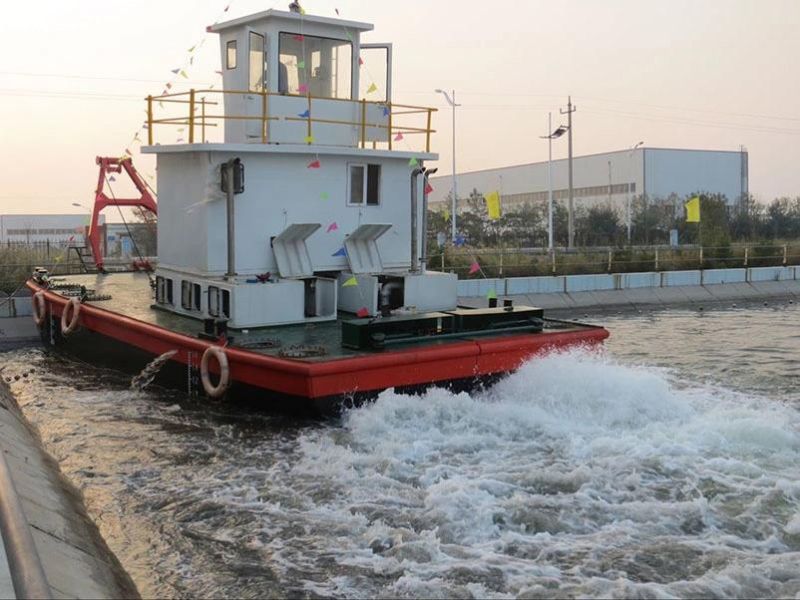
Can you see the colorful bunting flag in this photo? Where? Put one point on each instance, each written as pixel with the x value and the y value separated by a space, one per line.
pixel 332 227
pixel 413 162
pixel 301 64
pixel 360 61
pixel 362 312
pixel 350 282
pixel 305 114
pixel 446 214
pixel 386 111
pixel 168 86
pixel 398 137
pixel 493 205
pixel 112 178
pixel 460 240
pixel 315 164
pixel 309 139
pixel 340 252
pixel 474 268
pixel 299 37
pixel 324 195
pixel 191 49
pixel 372 88
pixel 176 71
pixel 492 295
pixel 184 75
pixel 302 89
pixel 428 188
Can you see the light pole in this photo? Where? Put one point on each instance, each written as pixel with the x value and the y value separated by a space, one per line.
pixel 452 102
pixel 550 137
pixel 628 208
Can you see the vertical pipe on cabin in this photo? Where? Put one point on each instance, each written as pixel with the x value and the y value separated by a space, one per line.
pixel 414 219
pixel 231 274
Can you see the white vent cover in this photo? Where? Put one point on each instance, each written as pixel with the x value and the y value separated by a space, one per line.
pixel 362 251
pixel 291 252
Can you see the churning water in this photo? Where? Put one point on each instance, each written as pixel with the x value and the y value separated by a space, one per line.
pixel 667 465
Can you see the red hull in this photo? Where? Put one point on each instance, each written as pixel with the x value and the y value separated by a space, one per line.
pixel 313 380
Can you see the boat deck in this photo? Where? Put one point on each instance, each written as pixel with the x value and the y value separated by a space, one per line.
pixel 131 296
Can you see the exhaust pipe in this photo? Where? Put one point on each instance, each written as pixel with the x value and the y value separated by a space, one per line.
pixel 423 261
pixel 414 218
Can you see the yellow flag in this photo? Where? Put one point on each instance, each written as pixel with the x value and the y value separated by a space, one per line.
pixel 693 210
pixel 372 88
pixel 493 205
pixel 350 282
pixel 446 214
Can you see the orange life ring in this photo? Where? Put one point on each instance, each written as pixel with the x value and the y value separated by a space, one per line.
pixel 70 323
pixel 215 391
pixel 39 308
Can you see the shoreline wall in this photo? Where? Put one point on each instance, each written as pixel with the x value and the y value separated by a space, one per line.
pixel 569 292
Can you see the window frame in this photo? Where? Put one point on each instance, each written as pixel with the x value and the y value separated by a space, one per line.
pixel 228 45
pixel 250 34
pixel 321 37
pixel 213 307
pixel 186 294
pixel 365 184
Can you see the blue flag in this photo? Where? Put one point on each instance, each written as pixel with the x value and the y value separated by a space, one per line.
pixel 340 252
pixel 305 114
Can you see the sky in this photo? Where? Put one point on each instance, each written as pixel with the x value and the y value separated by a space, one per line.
pixel 710 74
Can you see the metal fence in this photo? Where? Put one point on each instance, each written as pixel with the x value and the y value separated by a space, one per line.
pixel 526 262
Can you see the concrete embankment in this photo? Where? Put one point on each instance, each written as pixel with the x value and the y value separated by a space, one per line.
pixel 75 559
pixel 565 294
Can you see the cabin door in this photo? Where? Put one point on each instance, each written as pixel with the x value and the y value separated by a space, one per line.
pixel 256 126
pixel 375 86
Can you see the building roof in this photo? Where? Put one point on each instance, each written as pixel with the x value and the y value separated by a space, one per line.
pixel 290 16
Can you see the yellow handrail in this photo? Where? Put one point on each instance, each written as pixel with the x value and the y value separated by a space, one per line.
pixel 392 114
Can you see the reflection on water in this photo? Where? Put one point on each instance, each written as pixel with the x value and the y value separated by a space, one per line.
pixel 667 465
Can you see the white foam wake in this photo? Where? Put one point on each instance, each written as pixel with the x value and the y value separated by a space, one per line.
pixel 576 475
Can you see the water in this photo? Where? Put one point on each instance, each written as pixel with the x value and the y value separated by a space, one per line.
pixel 667 465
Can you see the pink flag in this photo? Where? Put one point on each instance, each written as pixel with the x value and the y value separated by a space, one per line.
pixel 362 312
pixel 360 60
pixel 428 188
pixel 314 165
pixel 398 137
pixel 299 37
pixel 332 227
pixel 303 89
pixel 474 268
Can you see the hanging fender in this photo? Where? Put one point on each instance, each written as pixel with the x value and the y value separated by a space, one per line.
pixel 70 316
pixel 215 391
pixel 39 308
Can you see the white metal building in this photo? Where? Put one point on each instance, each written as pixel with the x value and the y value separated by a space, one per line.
pixel 56 229
pixel 612 177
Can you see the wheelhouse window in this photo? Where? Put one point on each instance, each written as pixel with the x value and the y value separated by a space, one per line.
pixel 257 63
pixel 364 185
pixel 316 66
pixel 163 290
pixel 230 55
pixel 196 296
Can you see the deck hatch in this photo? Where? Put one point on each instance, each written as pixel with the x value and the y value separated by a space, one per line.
pixel 362 248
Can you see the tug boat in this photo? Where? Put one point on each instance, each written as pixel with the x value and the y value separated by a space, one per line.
pixel 291 258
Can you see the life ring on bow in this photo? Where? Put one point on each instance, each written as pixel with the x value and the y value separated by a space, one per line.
pixel 70 316
pixel 215 391
pixel 39 308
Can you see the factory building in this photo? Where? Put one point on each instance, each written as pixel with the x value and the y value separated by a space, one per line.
pixel 610 178
pixel 32 229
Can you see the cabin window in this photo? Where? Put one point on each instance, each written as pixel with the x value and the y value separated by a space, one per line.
pixel 315 66
pixel 226 303
pixel 230 48
pixel 163 290
pixel 186 295
pixel 364 185
pixel 196 296
pixel 257 63
pixel 213 301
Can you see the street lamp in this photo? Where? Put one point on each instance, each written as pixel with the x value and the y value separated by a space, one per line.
pixel 452 102
pixel 561 130
pixel 628 208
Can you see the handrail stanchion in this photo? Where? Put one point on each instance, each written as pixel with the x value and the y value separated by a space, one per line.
pixel 191 116
pixel 263 117
pixel 363 123
pixel 428 132
pixel 149 120
pixel 309 117
pixel 389 136
pixel 203 119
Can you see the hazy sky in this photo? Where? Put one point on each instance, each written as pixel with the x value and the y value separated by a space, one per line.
pixel 713 74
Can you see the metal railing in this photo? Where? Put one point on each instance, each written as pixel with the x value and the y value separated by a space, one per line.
pixel 197 118
pixel 527 262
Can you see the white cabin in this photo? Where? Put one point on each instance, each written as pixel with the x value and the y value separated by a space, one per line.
pixel 329 161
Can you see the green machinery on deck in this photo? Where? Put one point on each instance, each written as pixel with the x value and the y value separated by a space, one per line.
pixel 379 332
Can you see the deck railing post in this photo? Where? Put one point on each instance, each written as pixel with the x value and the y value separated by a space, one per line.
pixel 203 119
pixel 149 120
pixel 308 127
pixel 364 123
pixel 263 117
pixel 191 116
pixel 428 132
pixel 389 129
